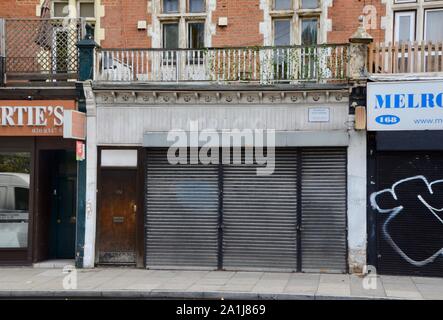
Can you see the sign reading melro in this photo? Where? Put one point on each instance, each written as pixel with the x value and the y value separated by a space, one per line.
pixel 33 118
pixel 405 105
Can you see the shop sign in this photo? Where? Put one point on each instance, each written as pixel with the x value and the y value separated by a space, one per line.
pixel 33 118
pixel 405 105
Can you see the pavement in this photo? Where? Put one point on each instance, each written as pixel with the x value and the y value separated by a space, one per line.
pixel 165 284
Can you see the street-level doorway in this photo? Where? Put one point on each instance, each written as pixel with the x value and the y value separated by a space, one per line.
pixel 117 217
pixel 56 202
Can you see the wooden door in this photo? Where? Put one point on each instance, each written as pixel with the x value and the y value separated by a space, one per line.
pixel 117 217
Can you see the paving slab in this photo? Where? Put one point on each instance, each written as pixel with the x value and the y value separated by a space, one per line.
pixel 126 282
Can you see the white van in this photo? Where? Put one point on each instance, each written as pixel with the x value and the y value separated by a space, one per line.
pixel 14 209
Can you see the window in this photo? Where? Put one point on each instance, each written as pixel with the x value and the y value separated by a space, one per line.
pixel 309 4
pixel 282 4
pixel 404 26
pixel 14 199
pixel 434 25
pixel 196 34
pixel 60 9
pixel 21 199
pixel 196 6
pixel 191 33
pixel 282 32
pixel 87 10
pixel 309 31
pixel 170 6
pixel 293 24
pixel 170 35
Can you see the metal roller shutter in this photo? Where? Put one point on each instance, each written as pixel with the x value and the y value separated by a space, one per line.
pixel 414 236
pixel 260 215
pixel 182 213
pixel 323 225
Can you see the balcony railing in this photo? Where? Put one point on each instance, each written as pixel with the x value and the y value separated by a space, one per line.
pixel 264 65
pixel 406 57
pixel 40 49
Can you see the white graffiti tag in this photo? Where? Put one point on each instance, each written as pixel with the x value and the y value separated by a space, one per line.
pixel 418 203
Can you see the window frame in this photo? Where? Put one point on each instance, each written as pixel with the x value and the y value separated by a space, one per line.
pixel 413 27
pixel 188 7
pixel 53 4
pixel 79 2
pixel 162 9
pixel 291 31
pixel 317 18
pixel 170 22
pixel 300 5
pixel 291 6
pixel 188 23
pixel 425 20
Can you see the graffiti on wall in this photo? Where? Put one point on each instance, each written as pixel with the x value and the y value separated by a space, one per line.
pixel 415 218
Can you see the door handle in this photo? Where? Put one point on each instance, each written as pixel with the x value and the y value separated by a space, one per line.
pixel 134 208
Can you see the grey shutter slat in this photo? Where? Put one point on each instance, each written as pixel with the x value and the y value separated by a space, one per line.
pixel 323 235
pixel 260 215
pixel 181 213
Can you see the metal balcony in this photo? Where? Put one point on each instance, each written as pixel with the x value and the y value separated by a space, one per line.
pixel 39 49
pixel 260 65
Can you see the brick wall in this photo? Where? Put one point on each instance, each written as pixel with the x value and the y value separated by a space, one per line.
pixel 344 15
pixel 120 24
pixel 18 8
pixel 121 16
pixel 244 17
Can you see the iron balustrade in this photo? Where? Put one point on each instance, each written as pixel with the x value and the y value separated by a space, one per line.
pixel 263 65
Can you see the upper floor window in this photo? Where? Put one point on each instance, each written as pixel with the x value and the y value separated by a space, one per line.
pixel 170 35
pixel 82 9
pixel 170 6
pixel 86 9
pixel 282 32
pixel 434 25
pixel 295 22
pixel 282 4
pixel 418 20
pixel 183 26
pixel 309 4
pixel 196 6
pixel 309 29
pixel 60 9
pixel 196 35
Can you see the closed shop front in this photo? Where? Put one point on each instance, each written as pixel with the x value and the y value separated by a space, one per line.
pixel 228 217
pixel 228 179
pixel 405 189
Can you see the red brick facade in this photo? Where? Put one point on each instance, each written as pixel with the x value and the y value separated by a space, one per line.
pixel 244 18
pixel 344 16
pixel 120 24
pixel 18 8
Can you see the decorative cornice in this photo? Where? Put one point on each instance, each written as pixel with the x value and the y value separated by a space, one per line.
pixel 191 98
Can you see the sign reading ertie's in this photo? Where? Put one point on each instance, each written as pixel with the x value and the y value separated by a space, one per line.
pixel 33 118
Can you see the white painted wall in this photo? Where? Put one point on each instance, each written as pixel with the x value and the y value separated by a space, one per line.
pixel 357 232
pixel 126 124
pixel 91 179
